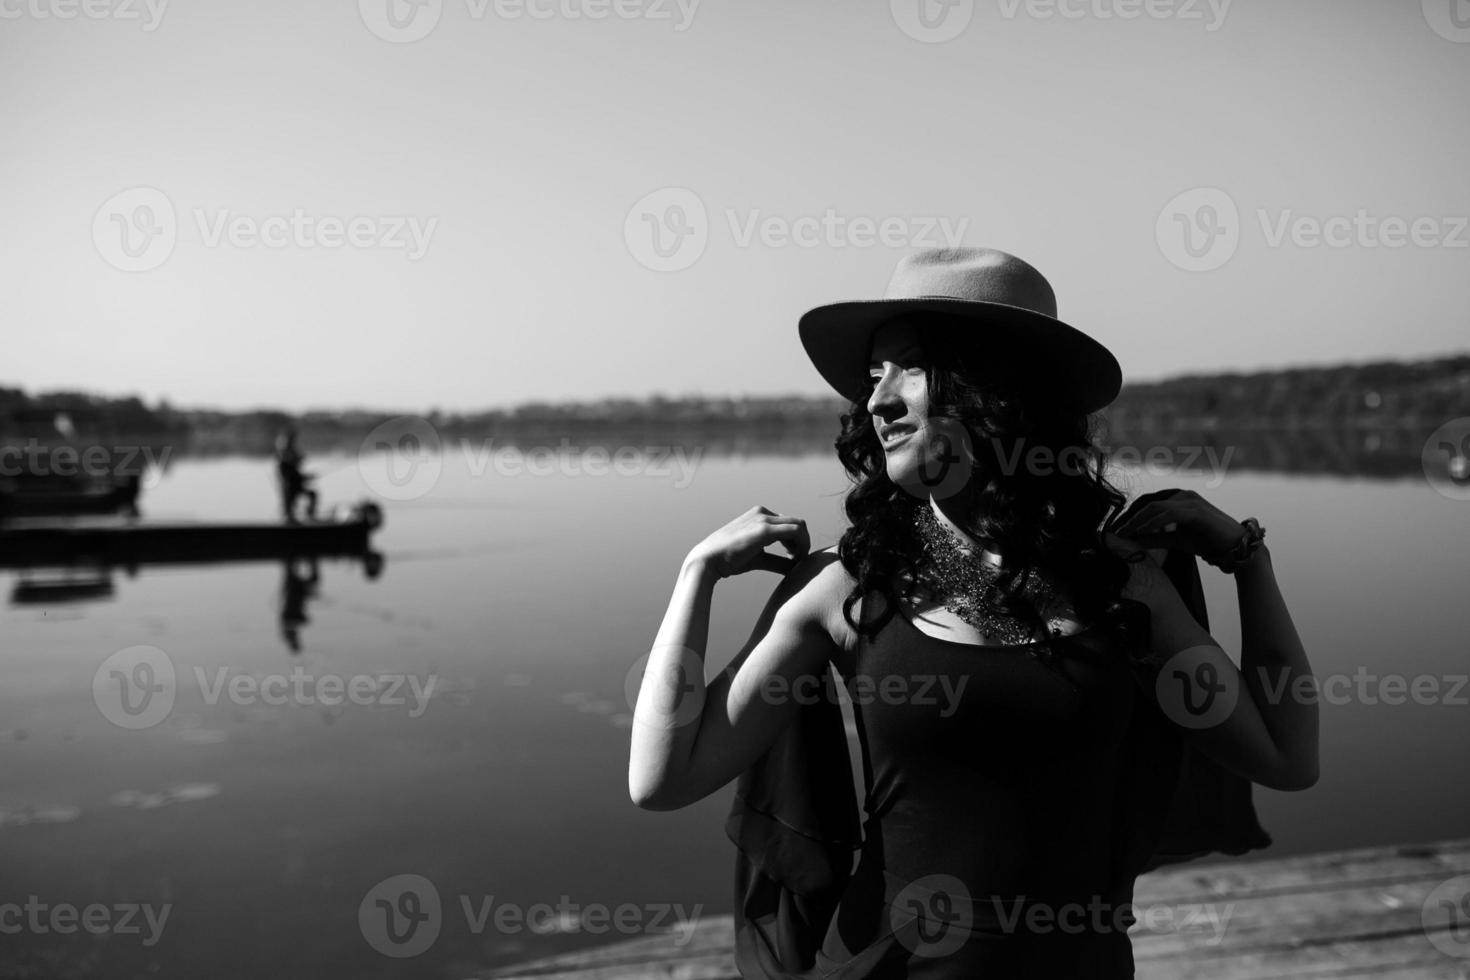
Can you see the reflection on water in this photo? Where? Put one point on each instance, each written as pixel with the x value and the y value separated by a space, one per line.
pixel 1376 452
pixel 464 717
pixel 296 588
pixel 301 578
pixel 86 582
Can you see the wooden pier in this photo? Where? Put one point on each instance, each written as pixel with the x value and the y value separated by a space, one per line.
pixel 1383 912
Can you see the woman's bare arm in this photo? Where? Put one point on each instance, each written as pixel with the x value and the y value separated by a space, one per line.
pixel 689 739
pixel 1270 735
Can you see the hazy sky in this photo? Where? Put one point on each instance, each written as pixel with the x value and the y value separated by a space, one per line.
pixel 521 141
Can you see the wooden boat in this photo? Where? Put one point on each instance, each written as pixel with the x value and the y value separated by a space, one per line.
pixel 26 543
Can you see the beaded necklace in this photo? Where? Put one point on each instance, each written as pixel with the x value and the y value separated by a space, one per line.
pixel 966 584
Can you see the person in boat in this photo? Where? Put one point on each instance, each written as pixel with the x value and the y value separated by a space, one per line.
pixel 1033 684
pixel 295 483
pixel 128 487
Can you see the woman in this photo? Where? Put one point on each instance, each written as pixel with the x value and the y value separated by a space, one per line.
pixel 987 560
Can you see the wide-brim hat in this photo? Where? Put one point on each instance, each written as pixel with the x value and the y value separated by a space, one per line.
pixel 993 301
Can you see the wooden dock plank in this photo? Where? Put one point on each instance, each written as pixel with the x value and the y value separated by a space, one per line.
pixel 1344 914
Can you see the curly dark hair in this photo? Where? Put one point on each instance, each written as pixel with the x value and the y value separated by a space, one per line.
pixel 1046 520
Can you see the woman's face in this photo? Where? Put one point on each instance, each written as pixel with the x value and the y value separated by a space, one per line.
pixel 928 456
pixel 899 403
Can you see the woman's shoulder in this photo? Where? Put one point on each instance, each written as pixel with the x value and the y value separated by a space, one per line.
pixel 820 578
pixel 818 586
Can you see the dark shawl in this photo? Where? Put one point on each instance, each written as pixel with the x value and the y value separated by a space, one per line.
pixel 796 823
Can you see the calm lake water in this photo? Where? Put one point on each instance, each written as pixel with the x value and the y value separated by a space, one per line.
pixel 527 600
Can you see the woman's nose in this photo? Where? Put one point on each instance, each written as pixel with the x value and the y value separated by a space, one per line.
pixel 885 395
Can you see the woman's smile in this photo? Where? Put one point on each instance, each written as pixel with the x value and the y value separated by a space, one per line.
pixel 894 434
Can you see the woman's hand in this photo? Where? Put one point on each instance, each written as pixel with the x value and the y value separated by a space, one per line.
pixel 741 545
pixel 1179 519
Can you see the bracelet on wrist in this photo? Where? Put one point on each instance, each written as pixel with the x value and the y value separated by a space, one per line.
pixel 1232 560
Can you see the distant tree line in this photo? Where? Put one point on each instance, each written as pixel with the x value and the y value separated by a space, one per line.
pixel 1416 395
pixel 51 416
pixel 1376 395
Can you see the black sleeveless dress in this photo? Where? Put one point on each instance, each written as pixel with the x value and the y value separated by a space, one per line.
pixel 1012 800
pixel 993 776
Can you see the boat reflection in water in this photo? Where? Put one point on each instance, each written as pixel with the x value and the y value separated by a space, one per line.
pixel 300 583
pixel 72 559
pixel 66 584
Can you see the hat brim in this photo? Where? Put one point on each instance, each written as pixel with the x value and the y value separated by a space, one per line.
pixel 1069 365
